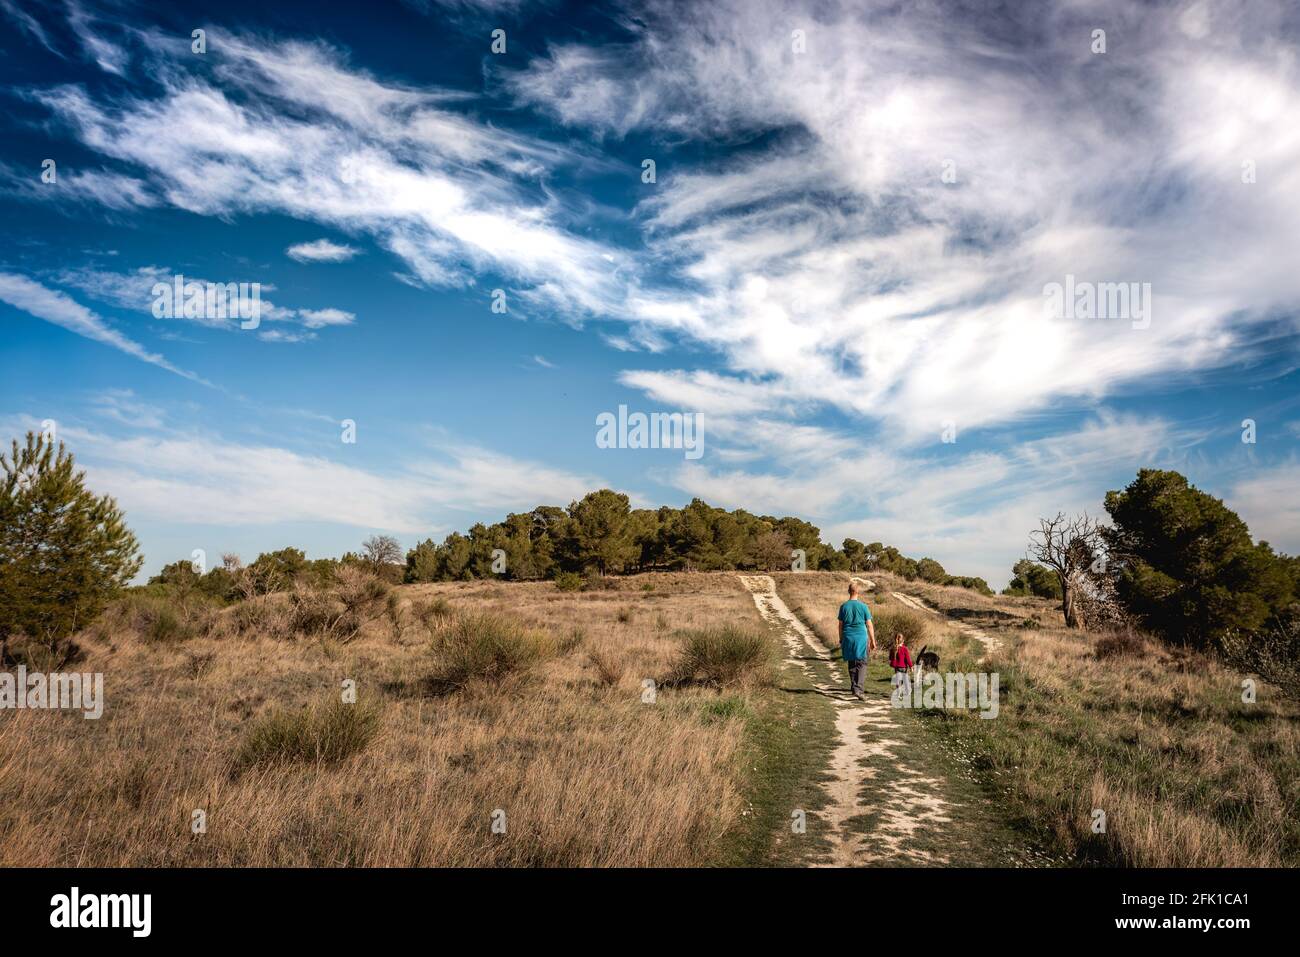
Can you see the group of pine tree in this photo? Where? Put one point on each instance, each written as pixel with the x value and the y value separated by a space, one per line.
pixel 602 534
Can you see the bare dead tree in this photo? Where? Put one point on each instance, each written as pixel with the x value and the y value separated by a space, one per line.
pixel 381 550
pixel 242 578
pixel 1069 547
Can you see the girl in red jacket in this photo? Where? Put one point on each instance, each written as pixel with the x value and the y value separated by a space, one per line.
pixel 901 662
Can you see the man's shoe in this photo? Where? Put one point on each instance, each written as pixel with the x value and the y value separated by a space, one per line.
pixel 860 696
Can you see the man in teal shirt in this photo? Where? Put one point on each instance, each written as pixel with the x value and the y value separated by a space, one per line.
pixel 857 639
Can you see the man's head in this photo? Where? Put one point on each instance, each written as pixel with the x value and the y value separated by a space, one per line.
pixel 853 589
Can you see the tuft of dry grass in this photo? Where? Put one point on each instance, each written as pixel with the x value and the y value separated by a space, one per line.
pixel 723 656
pixel 609 668
pixel 486 647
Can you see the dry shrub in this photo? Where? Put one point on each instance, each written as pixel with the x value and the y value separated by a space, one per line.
pixel 197 664
pixel 320 614
pixel 722 656
pixel 37 655
pixel 486 647
pixel 1273 653
pixel 314 735
pixel 1120 643
pixel 155 616
pixel 572 641
pixel 912 625
pixel 266 616
pixel 336 612
pixel 609 668
pixel 361 591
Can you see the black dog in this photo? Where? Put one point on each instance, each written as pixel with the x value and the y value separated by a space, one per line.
pixel 925 659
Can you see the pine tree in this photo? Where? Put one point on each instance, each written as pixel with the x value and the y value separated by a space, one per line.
pixel 63 551
pixel 602 530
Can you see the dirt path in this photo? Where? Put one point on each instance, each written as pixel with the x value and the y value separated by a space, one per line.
pixel 868 741
pixel 990 642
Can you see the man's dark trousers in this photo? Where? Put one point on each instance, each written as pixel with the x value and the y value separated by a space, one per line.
pixel 857 675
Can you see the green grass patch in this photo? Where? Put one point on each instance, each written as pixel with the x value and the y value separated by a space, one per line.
pixel 789 734
pixel 324 735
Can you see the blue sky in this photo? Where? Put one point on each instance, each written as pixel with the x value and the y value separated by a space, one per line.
pixel 855 212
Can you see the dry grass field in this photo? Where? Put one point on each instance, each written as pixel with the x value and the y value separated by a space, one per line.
pixel 500 724
pixel 1159 739
pixel 558 746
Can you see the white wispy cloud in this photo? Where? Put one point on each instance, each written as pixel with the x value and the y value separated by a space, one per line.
pixel 322 251
pixel 133 289
pixel 836 261
pixel 125 407
pixel 319 318
pixel 28 24
pixel 56 307
pixel 109 56
pixel 185 477
pixel 449 196
pixel 285 335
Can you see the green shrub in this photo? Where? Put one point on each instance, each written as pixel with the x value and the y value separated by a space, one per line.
pixel 277 571
pixel 325 735
pixel 969 581
pixel 568 581
pixel 1031 578
pixel 156 613
pixel 723 656
pixel 167 626
pixel 486 647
